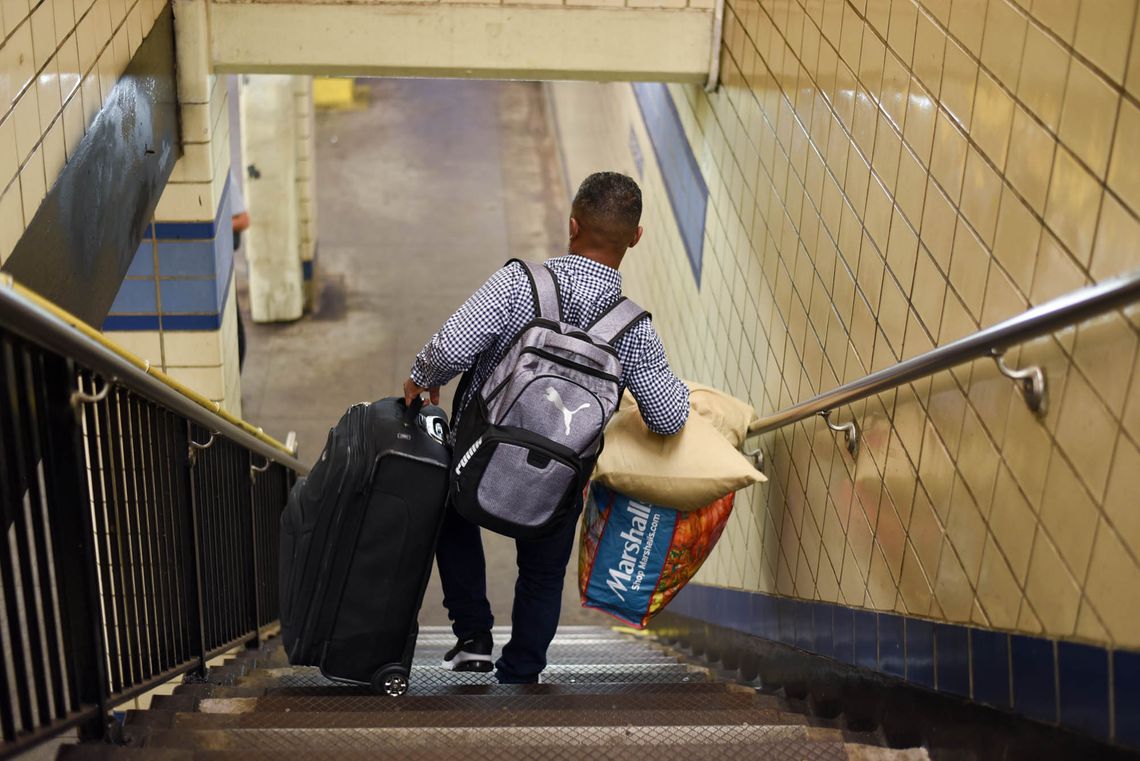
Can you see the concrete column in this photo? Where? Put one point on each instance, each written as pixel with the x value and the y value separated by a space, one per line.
pixel 307 185
pixel 177 307
pixel 273 248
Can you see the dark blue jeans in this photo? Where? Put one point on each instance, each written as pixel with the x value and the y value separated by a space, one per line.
pixel 538 592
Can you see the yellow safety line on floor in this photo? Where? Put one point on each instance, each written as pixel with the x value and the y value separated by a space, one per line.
pixel 7 281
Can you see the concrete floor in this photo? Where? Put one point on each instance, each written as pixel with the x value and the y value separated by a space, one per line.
pixel 421 196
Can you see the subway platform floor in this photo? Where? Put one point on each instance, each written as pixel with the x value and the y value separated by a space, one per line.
pixel 420 197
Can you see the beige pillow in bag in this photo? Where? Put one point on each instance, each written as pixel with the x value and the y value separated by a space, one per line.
pixel 687 471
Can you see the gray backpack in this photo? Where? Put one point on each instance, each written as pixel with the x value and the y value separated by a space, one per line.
pixel 527 443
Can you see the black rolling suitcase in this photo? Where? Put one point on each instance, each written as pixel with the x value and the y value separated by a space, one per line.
pixel 357 541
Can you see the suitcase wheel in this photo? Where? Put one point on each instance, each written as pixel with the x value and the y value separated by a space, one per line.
pixel 392 681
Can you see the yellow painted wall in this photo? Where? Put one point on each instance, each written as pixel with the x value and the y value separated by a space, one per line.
pixel 886 176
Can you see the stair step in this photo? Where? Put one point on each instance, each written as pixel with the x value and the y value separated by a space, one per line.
pixel 491 741
pixel 491 688
pixel 771 750
pixel 633 698
pixel 427 678
pixel 476 719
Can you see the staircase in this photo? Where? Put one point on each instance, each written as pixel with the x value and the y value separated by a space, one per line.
pixel 606 695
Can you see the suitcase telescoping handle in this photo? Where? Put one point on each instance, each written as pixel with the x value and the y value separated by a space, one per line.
pixel 414 409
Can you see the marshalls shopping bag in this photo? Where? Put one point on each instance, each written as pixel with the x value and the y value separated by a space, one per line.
pixel 634 557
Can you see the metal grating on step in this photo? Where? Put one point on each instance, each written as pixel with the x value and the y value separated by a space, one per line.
pixel 430 677
pixel 489 743
pixel 622 697
pixel 478 719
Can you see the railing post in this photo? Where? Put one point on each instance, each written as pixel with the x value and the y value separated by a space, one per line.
pixel 73 540
pixel 251 515
pixel 193 546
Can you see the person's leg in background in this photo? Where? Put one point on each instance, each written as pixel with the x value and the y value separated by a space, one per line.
pixel 463 576
pixel 538 603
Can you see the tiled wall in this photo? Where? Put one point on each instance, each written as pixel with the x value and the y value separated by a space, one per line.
pixel 177 307
pixel 59 60
pixel 1084 687
pixel 886 176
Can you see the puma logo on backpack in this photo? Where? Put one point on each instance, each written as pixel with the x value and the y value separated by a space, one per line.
pixel 553 397
pixel 533 431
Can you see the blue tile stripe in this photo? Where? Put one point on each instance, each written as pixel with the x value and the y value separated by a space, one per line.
pixel 178 280
pixel 1086 688
pixel 688 193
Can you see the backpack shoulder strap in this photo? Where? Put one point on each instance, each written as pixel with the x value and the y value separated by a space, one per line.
pixel 544 288
pixel 616 321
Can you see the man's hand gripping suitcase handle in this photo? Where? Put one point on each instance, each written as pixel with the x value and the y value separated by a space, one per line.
pixel 412 391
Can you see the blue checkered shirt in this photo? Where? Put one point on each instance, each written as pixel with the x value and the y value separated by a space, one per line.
pixel 480 331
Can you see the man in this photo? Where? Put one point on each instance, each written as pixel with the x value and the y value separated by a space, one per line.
pixel 604 223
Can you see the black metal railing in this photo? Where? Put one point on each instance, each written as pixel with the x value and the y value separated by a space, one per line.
pixel 141 529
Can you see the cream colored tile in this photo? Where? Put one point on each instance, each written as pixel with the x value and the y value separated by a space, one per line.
pixel 952 591
pixel 910 190
pixel 981 196
pixel 939 9
pixel 1027 620
pixel 959 83
pixel 929 48
pixel 1069 515
pixel 1013 524
pixel 902 252
pixel 1003 300
pixel 1124 170
pixel 1104 346
pixel 957 322
pixel 968 269
pixel 1017 240
pixel 144 344
pixel 1058 16
pixel 33 186
pixel 893 314
pixel 55 156
pixel 929 291
pixel 901 32
pixel 1052 590
pixel 939 220
pixel 921 115
pixel 948 161
pixel 1004 41
pixel 1120 499
pixel 914 588
pixel 966 530
pixel 1131 419
pixel 1057 272
pixel 1083 427
pixel 1030 160
pixel 1026 449
pixel 1089 626
pixel 993 118
pixel 27 123
pixel 967 22
pixel 1044 70
pixel 1089 117
pixel 11 220
pixel 9 165
pixel 1114 252
pixel 1073 205
pixel 998 592
pixel 936 471
pixel 43 34
pixel 1132 75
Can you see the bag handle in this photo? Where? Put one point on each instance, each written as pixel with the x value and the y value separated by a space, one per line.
pixel 544 288
pixel 616 321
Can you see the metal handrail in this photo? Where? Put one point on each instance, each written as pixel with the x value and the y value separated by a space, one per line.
pixel 40 321
pixel 1049 317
